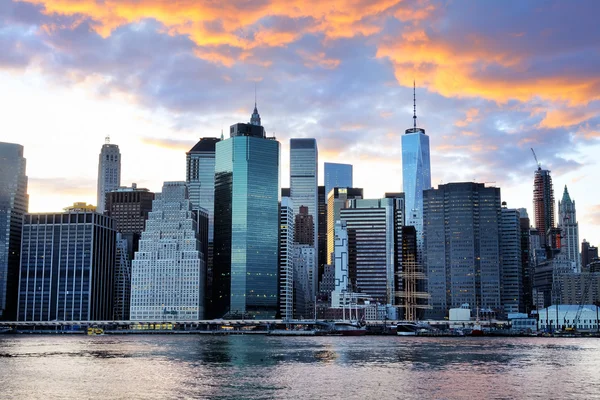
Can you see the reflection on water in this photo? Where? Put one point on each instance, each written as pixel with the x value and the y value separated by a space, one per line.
pixel 232 367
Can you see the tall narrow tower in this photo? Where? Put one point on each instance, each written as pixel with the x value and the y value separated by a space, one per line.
pixel 543 203
pixel 569 228
pixel 109 172
pixel 416 175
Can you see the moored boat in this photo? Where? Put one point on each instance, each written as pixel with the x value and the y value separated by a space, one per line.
pixel 348 328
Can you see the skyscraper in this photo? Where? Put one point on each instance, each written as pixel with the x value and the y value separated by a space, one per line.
pixel 246 223
pixel 416 175
pixel 168 271
pixel 337 200
pixel 569 228
pixel 462 246
pixel 304 227
pixel 67 262
pixel 543 204
pixel 109 172
pixel 286 259
pixel 129 208
pixel 526 260
pixel 588 253
pixel 304 170
pixel 511 260
pixel 13 205
pixel 337 175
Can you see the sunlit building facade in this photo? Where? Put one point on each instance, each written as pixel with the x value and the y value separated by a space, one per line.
pixel 109 173
pixel 337 175
pixel 286 259
pixel 569 228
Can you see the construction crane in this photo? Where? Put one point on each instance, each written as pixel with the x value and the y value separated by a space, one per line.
pixel 539 164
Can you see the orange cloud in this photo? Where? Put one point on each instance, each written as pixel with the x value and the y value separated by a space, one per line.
pixel 312 60
pixel 565 117
pixel 471 114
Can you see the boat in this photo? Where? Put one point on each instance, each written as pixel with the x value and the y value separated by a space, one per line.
pixel 348 328
pixel 477 330
pixel 292 332
pixel 407 329
pixel 94 331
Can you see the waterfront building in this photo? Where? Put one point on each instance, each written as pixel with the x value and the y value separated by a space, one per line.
pixel 200 178
pixel 589 253
pixel 526 260
pixel 168 271
pixel 583 318
pixel 569 229
pixel 578 288
pixel 109 172
pixel 416 175
pixel 546 290
pixel 246 223
pixel 286 259
pixel 67 267
pixel 543 204
pixel 304 174
pixel 371 251
pixel 337 175
pixel 511 260
pixel 462 247
pixel 336 200
pixel 14 203
pixel 129 208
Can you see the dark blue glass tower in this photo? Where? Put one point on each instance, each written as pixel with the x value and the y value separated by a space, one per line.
pixel 246 223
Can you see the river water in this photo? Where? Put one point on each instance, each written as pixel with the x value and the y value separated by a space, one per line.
pixel 259 367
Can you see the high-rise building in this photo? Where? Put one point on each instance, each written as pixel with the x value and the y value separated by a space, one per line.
pixel 246 223
pixel 168 271
pixel 588 253
pixel 416 175
pixel 511 260
pixel 371 247
pixel 569 229
pixel 109 172
pixel 337 200
pixel 322 232
pixel 304 174
pixel 129 207
pixel 304 227
pixel 462 246
pixel 543 204
pixel 286 259
pixel 526 260
pixel 13 205
pixel 337 175
pixel 340 257
pixel 200 177
pixel 67 267
pixel 304 280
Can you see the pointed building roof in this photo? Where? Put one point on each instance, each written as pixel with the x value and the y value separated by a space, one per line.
pixel 566 198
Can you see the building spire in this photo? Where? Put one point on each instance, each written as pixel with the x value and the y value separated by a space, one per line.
pixel 414 105
pixel 255 119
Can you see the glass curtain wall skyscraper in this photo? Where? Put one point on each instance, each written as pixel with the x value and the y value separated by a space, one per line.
pixel 13 205
pixel 416 176
pixel 246 223
pixel 337 175
pixel 109 173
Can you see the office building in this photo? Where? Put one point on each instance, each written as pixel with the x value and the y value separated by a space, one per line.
pixel 526 260
pixel 246 223
pixel 129 208
pixel 589 253
pixel 322 233
pixel 109 172
pixel 416 175
pixel 14 203
pixel 67 267
pixel 337 200
pixel 337 175
pixel 569 230
pixel 304 227
pixel 462 247
pixel 304 280
pixel 286 259
pixel 511 260
pixel 168 271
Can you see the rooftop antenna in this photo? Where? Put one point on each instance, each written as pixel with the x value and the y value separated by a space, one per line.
pixel 414 105
pixel 254 94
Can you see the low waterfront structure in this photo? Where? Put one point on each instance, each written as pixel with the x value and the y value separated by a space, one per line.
pixel 569 316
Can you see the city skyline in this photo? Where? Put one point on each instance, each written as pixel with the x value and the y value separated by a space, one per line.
pixel 482 117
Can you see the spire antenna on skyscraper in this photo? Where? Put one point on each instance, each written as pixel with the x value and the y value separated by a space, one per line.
pixel 414 105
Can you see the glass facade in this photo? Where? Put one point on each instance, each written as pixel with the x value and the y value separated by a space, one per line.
pixel 337 175
pixel 462 246
pixel 13 205
pixel 416 177
pixel 246 224
pixel 67 267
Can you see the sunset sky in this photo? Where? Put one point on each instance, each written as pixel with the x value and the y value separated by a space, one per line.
pixel 494 78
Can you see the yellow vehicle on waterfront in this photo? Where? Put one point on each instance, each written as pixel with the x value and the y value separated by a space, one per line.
pixel 94 330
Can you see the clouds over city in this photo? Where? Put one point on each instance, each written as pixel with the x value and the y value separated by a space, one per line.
pixel 493 78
